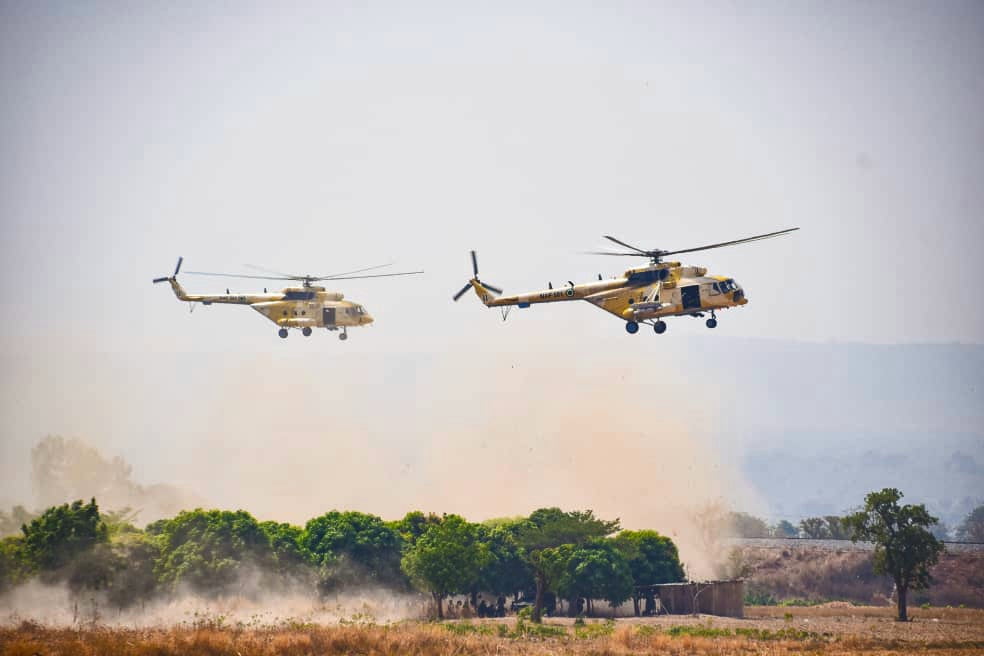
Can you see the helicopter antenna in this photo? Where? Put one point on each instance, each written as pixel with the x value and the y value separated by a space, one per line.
pixel 656 255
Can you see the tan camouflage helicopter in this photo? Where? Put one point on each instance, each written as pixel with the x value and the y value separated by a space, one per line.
pixel 306 307
pixel 644 294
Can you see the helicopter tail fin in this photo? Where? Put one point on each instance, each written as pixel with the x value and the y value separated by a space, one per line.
pixel 178 289
pixel 484 291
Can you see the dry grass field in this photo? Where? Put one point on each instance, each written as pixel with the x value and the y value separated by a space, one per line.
pixel 803 571
pixel 830 630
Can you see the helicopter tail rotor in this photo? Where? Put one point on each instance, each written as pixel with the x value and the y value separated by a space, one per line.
pixel 480 287
pixel 173 275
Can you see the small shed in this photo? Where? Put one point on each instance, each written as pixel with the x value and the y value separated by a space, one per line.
pixel 724 598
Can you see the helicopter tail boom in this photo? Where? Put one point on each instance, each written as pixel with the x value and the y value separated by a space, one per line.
pixel 178 289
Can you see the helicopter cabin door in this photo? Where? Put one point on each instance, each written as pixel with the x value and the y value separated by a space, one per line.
pixel 328 316
pixel 690 296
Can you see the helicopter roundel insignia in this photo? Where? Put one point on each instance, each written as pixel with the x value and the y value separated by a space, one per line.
pixel 570 291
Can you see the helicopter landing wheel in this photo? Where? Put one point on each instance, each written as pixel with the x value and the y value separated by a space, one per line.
pixel 631 327
pixel 283 333
pixel 306 331
pixel 659 327
pixel 343 336
pixel 711 323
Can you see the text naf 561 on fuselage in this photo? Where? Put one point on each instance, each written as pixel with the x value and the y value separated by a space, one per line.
pixel 306 307
pixel 645 294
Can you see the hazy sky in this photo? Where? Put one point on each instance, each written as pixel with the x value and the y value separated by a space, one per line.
pixel 325 137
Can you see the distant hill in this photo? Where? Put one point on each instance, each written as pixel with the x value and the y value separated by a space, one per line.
pixel 819 425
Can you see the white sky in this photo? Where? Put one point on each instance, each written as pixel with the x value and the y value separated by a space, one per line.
pixel 323 137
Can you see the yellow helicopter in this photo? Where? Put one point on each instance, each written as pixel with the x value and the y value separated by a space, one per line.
pixel 645 294
pixel 306 307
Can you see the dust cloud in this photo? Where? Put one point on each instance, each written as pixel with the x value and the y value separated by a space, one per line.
pixel 496 433
pixel 56 605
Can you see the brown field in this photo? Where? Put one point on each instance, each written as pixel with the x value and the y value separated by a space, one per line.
pixel 834 629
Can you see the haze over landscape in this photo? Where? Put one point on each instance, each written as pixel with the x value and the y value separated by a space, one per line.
pixel 326 138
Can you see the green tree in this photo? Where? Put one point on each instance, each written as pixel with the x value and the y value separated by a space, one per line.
pixel 211 551
pixel 507 570
pixel 62 533
pixel 904 547
pixel 784 529
pixel 595 570
pixel 132 560
pixel 354 548
pixel 548 528
pixel 743 525
pixel 15 567
pixel 294 563
pixel 972 528
pixel 446 559
pixel 413 525
pixel 815 527
pixel 652 558
pixel 836 528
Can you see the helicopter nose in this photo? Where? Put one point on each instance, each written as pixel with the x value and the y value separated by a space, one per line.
pixel 367 318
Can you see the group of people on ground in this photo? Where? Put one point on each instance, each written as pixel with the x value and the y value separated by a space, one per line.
pixel 463 609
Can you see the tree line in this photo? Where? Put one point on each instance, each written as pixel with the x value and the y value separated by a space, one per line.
pixel 835 527
pixel 550 554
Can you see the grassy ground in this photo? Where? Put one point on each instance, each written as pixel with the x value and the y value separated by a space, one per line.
pixel 831 630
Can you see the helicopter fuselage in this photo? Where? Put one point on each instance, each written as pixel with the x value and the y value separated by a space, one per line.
pixel 293 307
pixel 642 294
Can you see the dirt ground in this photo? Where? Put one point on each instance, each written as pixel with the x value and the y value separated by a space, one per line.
pixel 840 619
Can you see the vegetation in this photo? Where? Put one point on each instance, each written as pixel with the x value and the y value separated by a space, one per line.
pixel 784 529
pixel 548 529
pixel 743 525
pixel 447 559
pixel 905 549
pixel 871 633
pixel 972 528
pixel 652 559
pixel 352 547
pixel 552 553
pixel 828 527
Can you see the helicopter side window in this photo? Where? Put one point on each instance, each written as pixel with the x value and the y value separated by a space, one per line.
pixel 298 296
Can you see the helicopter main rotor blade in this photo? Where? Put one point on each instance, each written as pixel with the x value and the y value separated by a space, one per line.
pixel 462 292
pixel 346 273
pixel 376 275
pixel 629 246
pixel 734 242
pixel 157 280
pixel 238 275
pixel 178 268
pixel 276 273
pixel 474 263
pixel 610 253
